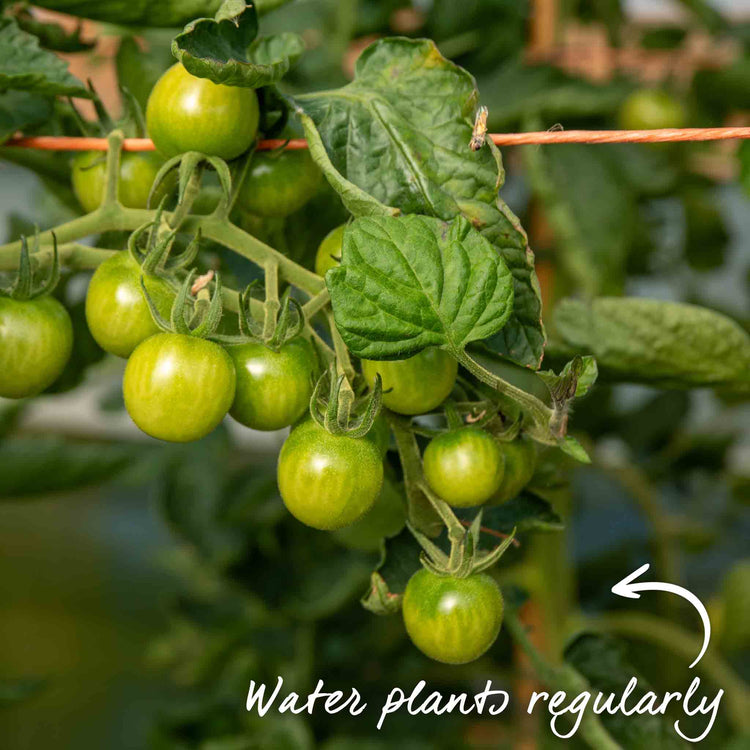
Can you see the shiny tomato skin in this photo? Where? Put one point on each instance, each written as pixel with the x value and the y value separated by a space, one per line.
pixel 386 518
pixel 415 385
pixel 117 313
pixel 328 481
pixel 329 251
pixel 273 387
pixel 178 388
pixel 649 109
pixel 36 339
pixel 464 466
pixel 137 173
pixel 278 184
pixel 520 463
pixel 452 620
pixel 187 113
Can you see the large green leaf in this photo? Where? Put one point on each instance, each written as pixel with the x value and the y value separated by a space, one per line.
pixel 526 512
pixel 226 50
pixel 669 344
pixel 20 109
pixel 26 66
pixel 400 131
pixel 409 282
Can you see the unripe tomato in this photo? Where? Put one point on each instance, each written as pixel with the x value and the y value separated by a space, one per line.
pixel 177 387
pixel 464 466
pixel 329 250
pixel 452 620
pixel 187 113
pixel 386 518
pixel 520 463
pixel 649 109
pixel 36 339
pixel 273 388
pixel 328 481
pixel 137 173
pixel 117 313
pixel 278 184
pixel 415 385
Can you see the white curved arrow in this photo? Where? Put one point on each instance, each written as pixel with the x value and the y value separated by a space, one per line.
pixel 630 590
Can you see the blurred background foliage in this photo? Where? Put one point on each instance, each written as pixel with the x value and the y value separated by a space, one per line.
pixel 144 585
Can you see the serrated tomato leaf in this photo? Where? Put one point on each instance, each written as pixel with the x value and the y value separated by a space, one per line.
pixel 21 109
pixel 226 50
pixel 526 512
pixel 25 66
pixel 669 344
pixel 400 131
pixel 409 282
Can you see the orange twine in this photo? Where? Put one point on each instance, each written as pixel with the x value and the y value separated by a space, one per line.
pixel 63 143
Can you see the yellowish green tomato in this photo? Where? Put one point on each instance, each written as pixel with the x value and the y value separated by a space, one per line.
pixel 36 339
pixel 117 313
pixel 187 113
pixel 278 184
pixel 464 466
pixel 328 481
pixel 649 109
pixel 415 385
pixel 329 251
pixel 386 518
pixel 520 463
pixel 273 387
pixel 177 387
pixel 452 620
pixel 137 173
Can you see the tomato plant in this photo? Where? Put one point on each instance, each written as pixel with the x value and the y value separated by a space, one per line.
pixel 464 466
pixel 328 481
pixel 374 293
pixel 453 620
pixel 186 113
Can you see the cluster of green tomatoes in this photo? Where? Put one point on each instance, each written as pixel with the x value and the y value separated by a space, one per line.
pixel 180 382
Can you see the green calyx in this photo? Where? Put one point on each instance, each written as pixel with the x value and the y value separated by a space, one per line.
pixel 283 320
pixel 340 412
pixel 465 557
pixel 155 257
pixel 132 122
pixel 25 286
pixel 195 312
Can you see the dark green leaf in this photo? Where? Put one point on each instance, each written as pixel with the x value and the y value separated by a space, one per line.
pixel 26 66
pixel 406 283
pixel 139 69
pixel 15 691
pixel 53 36
pixel 601 660
pixel 670 344
pixel 398 563
pixel 20 110
pixel 525 512
pixel 400 131
pixel 575 379
pixel 38 466
pixel 227 51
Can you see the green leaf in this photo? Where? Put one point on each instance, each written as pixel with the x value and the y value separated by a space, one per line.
pixel 52 36
pixel 37 466
pixel 601 660
pixel 574 381
pixel 526 512
pixel 26 66
pixel 574 449
pixel 226 51
pixel 670 344
pixel 139 69
pixel 15 691
pixel 20 110
pixel 400 132
pixel 406 283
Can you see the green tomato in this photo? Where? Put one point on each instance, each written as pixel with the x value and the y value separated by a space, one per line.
pixel 177 387
pixel 328 481
pixel 452 620
pixel 137 174
pixel 278 184
pixel 186 113
pixel 520 463
pixel 386 518
pixel 329 251
pixel 415 385
pixel 117 313
pixel 36 339
pixel 464 466
pixel 273 388
pixel 650 109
